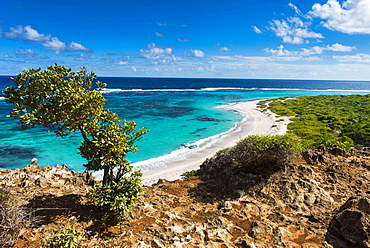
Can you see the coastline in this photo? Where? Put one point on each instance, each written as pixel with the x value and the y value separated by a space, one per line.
pixel 255 122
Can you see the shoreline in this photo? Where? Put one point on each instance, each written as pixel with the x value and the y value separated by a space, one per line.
pixel 255 122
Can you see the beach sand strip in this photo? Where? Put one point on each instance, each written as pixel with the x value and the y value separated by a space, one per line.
pixel 255 122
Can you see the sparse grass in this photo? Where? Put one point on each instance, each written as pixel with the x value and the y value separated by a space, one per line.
pixel 13 218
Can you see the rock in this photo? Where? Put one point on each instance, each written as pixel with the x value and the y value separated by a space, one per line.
pixel 33 176
pixel 225 206
pixel 350 227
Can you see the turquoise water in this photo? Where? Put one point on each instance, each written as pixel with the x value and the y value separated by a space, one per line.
pixel 174 116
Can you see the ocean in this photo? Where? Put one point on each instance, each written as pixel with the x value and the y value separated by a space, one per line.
pixel 178 112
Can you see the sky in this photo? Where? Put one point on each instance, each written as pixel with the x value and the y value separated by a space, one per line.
pixel 267 39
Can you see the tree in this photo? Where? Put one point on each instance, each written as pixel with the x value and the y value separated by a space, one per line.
pixel 64 101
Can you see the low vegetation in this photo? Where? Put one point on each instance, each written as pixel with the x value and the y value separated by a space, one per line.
pixel 117 198
pixel 13 218
pixel 265 154
pixel 68 238
pixel 341 120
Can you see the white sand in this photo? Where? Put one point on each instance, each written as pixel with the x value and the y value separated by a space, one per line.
pixel 257 123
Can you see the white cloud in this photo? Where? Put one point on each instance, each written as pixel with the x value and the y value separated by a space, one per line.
pixel 162 24
pixel 28 54
pixel 74 46
pixel 198 53
pixel 351 17
pixel 183 40
pixel 158 55
pixel 360 58
pixel 154 52
pixel 340 48
pixel 26 33
pixel 304 52
pixel 29 35
pixel 54 44
pixel 280 51
pixel 159 34
pixel 293 31
pixel 257 30
pixel 295 8
pixel 123 62
pixel 224 49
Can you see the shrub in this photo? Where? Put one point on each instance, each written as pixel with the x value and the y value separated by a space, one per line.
pixel 116 198
pixel 67 238
pixel 13 218
pixel 265 154
pixel 188 174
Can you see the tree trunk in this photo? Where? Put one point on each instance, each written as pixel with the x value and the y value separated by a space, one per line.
pixel 106 177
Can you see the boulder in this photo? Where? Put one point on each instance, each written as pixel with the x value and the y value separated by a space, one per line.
pixel 350 227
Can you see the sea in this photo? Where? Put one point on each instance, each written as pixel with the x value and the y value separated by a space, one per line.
pixel 181 115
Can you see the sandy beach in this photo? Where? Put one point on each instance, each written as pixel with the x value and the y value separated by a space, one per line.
pixel 255 123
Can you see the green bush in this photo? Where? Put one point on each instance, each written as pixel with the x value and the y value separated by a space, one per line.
pixel 67 238
pixel 116 198
pixel 265 154
pixel 188 174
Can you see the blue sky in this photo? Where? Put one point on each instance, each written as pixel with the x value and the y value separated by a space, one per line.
pixel 279 39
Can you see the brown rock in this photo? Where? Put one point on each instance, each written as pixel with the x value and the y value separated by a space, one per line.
pixel 351 226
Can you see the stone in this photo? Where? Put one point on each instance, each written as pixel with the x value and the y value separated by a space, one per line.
pixel 350 227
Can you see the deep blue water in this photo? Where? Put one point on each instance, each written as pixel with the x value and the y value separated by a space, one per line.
pixel 175 110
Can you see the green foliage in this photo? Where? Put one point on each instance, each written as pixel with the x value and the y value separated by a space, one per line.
pixel 116 199
pixel 188 174
pixel 265 154
pixel 64 101
pixel 57 99
pixel 342 120
pixel 67 238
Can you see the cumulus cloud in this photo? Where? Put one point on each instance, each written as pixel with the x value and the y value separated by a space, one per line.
pixel 26 33
pixel 293 30
pixel 340 48
pixel 29 35
pixel 54 44
pixel 280 51
pixel 158 54
pixel 198 53
pixel 351 17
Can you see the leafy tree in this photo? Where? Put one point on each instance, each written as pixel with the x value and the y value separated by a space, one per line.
pixel 64 101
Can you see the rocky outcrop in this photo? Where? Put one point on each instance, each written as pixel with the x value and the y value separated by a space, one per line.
pixel 350 227
pixel 36 178
pixel 303 205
